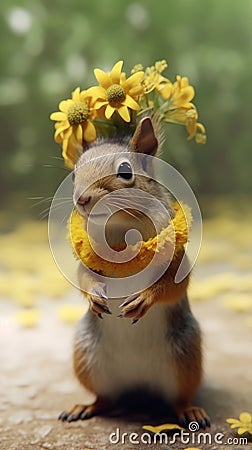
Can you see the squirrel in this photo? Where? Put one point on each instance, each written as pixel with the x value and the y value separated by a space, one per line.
pixel 162 351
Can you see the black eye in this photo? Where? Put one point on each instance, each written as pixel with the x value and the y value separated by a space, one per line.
pixel 125 171
pixel 73 176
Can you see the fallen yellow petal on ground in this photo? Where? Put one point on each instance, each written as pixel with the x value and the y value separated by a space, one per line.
pixel 244 423
pixel 163 427
pixel 239 302
pixel 28 318
pixel 71 313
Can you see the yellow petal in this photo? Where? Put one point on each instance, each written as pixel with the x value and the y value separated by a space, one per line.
pixel 133 80
pixel 70 314
pixel 245 417
pixel 109 111
pixel 136 91
pixel 64 147
pixel 65 126
pixel 124 113
pixel 235 425
pixel 28 318
pixel 96 92
pixel 201 127
pixel 68 133
pixel 79 133
pixel 123 78
pixel 76 95
pixel 99 103
pixel 115 73
pixel 184 96
pixel 89 132
pixel 58 138
pixel 68 162
pixel 131 103
pixel 184 82
pixel 83 96
pixel 59 116
pixel 160 428
pixel 192 448
pixel 166 91
pixel 102 78
pixel 234 421
pixel 71 151
pixel 242 430
pixel 65 104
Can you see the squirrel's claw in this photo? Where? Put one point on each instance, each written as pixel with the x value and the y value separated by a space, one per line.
pixel 135 306
pixel 129 300
pixel 194 414
pixel 83 412
pixel 98 301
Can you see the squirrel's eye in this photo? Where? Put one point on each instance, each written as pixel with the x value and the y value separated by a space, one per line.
pixel 73 176
pixel 125 171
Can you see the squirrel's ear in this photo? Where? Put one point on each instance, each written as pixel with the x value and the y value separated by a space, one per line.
pixel 144 139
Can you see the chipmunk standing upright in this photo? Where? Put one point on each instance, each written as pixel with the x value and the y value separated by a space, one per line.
pixel 161 352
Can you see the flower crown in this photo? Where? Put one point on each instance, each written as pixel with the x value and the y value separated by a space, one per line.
pixel 115 106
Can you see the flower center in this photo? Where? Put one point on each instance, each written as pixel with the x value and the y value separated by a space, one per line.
pixel 77 113
pixel 116 94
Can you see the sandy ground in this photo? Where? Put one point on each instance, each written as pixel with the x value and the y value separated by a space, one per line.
pixel 37 383
pixel 36 378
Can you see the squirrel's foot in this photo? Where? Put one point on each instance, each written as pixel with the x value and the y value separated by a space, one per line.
pixel 98 301
pixel 195 416
pixel 136 306
pixel 83 412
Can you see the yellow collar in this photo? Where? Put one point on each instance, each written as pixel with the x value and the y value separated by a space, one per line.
pixel 175 234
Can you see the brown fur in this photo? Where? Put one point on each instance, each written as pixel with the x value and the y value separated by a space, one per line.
pixel 183 332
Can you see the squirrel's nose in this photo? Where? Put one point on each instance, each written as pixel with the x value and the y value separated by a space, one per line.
pixel 83 200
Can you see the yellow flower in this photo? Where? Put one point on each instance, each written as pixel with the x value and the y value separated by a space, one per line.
pixel 153 78
pixel 73 126
pixel 116 92
pixel 244 424
pixel 180 93
pixel 179 109
pixel 192 126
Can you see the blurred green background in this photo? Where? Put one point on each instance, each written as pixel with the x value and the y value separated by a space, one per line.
pixel 50 47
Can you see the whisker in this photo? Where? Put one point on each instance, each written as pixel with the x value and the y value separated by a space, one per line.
pixel 55 157
pixel 46 199
pixel 64 219
pixel 132 214
pixel 41 200
pixel 117 194
pixel 130 204
pixel 61 204
pixel 43 214
pixel 126 211
pixel 50 166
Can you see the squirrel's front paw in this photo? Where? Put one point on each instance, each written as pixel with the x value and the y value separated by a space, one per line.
pixel 98 301
pixel 136 306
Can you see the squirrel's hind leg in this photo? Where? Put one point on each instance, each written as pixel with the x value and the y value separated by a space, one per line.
pixel 186 345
